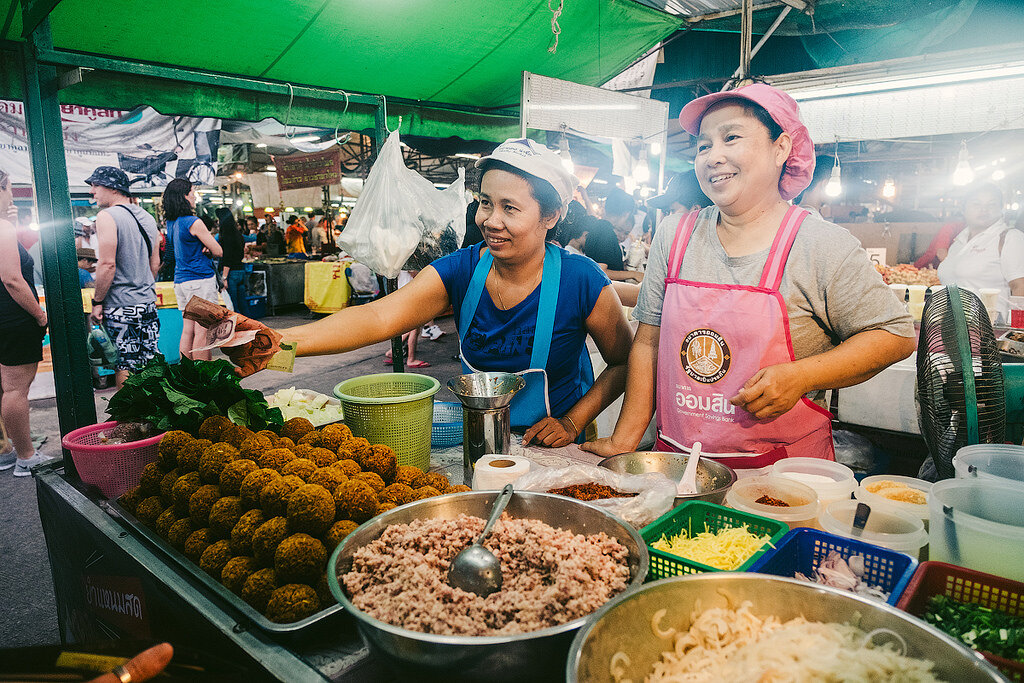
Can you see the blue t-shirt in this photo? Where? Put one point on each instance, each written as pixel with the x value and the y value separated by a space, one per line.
pixel 502 341
pixel 190 263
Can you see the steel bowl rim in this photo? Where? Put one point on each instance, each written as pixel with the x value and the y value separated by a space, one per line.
pixel 334 585
pixel 575 650
pixel 733 477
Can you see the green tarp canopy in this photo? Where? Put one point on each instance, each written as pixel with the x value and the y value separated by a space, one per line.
pixel 457 52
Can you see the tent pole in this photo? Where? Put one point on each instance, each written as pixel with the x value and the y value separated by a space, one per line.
pixel 760 43
pixel 75 406
pixel 380 131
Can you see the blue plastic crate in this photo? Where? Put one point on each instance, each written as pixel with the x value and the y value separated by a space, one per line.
pixel 447 429
pixel 256 306
pixel 803 549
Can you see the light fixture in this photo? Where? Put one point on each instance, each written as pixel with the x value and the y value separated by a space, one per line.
pixel 261 145
pixel 308 209
pixel 460 155
pixel 306 138
pixel 272 169
pixel 834 186
pixel 599 181
pixel 889 188
pixel 239 202
pixel 289 208
pixel 33 226
pixel 268 209
pixel 875 86
pixel 563 151
pixel 964 174
pixel 655 148
pixel 247 208
pixel 641 171
pixel 585 107
pixel 998 174
pixel 1015 206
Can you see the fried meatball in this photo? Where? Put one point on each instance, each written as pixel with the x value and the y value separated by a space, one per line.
pixel 197 542
pixel 214 460
pixel 384 506
pixel 224 515
pixel 331 440
pixel 323 591
pixel 163 523
pixel 328 477
pixel 214 558
pixel 292 602
pixel 274 496
pixel 341 429
pixel 399 494
pixel 179 533
pixel 188 456
pixel 300 467
pixel 311 510
pixel 460 488
pixel 406 474
pixel 236 435
pixel 252 447
pixel 296 428
pixel 131 498
pixel 253 483
pixel 300 557
pixel 149 480
pixel 381 460
pixel 371 478
pixel 311 439
pixel 337 533
pixel 302 450
pixel 269 435
pixel 355 500
pixel 345 454
pixel 349 466
pixel 241 534
pixel 234 473
pixel 323 457
pixel 170 445
pixel 266 539
pixel 166 484
pixel 425 492
pixel 213 426
pixel 182 490
pixel 358 447
pixel 285 442
pixel 236 571
pixel 275 458
pixel 148 510
pixel 257 589
pixel 201 502
pixel 434 479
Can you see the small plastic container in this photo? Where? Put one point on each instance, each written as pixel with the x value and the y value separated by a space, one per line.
pixel 887 527
pixel 802 509
pixel 874 500
pixel 830 480
pixel 999 462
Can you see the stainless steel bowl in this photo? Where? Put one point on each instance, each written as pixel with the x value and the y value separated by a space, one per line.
pixel 525 656
pixel 624 623
pixel 713 478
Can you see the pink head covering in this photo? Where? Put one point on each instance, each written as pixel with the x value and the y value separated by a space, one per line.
pixel 796 175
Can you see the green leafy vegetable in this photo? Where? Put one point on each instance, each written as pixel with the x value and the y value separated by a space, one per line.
pixel 981 628
pixel 181 396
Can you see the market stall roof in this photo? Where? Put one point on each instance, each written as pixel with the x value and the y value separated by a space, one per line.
pixel 454 52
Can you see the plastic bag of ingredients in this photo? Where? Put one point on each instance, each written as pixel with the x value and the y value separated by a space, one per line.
pixel 442 224
pixel 396 208
pixel 655 493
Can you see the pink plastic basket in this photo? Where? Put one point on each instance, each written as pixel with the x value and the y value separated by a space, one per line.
pixel 112 468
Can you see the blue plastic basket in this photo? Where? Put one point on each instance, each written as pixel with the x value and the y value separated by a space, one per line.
pixel 802 549
pixel 447 430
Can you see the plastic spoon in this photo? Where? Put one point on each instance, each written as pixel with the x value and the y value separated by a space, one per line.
pixel 688 484
pixel 476 569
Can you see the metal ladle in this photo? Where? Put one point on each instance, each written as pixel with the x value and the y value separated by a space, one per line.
pixel 476 569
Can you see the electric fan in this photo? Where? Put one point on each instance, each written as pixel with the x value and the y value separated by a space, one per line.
pixel 961 399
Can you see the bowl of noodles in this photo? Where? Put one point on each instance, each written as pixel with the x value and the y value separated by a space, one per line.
pixel 754 627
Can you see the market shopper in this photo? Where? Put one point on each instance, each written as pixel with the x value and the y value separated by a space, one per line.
pixel 194 273
pixel 295 236
pixel 23 323
pixel 987 254
pixel 124 299
pixel 751 307
pixel 521 304
pixel 232 270
pixel 605 237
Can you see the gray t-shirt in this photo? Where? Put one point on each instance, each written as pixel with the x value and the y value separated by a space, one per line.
pixel 831 289
pixel 133 278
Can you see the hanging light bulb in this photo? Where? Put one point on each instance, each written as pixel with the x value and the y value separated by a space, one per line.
pixel 834 186
pixel 563 151
pixel 641 171
pixel 964 174
pixel 889 188
pixel 655 148
pixel 998 174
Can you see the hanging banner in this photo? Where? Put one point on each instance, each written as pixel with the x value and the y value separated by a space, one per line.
pixel 150 147
pixel 296 171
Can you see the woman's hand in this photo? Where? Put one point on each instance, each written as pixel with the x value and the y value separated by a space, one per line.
pixel 607 447
pixel 551 432
pixel 143 666
pixel 772 391
pixel 41 319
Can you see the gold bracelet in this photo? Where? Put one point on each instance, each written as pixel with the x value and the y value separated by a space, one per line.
pixel 574 427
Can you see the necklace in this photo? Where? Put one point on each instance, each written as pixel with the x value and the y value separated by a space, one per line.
pixel 497 289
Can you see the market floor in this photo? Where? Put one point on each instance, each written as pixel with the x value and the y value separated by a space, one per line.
pixel 28 613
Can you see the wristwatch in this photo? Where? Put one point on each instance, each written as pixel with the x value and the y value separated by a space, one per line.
pixel 96 302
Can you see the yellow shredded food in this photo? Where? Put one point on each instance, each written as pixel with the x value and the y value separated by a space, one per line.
pixel 724 549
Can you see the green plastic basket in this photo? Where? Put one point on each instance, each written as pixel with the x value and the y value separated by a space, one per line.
pixel 692 517
pixel 392 408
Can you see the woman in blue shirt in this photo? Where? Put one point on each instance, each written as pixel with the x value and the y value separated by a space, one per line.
pixel 521 304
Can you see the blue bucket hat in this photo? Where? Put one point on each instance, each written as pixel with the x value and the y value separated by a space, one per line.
pixel 109 176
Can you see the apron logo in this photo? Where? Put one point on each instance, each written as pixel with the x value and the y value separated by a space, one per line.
pixel 705 356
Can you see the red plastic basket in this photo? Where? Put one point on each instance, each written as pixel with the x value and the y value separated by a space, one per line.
pixel 112 468
pixel 970 586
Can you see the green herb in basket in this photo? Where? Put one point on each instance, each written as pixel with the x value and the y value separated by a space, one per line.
pixel 726 549
pixel 982 628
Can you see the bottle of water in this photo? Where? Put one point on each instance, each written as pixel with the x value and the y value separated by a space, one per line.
pixel 102 350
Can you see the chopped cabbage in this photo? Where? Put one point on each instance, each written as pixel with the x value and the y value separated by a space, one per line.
pixel 318 408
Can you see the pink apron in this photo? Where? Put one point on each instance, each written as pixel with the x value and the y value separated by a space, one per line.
pixel 713 339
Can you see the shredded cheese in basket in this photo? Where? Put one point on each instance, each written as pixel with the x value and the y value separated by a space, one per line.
pixel 725 549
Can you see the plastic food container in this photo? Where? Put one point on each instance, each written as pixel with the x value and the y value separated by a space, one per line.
pixel 874 500
pixel 830 480
pixel 979 524
pixel 802 501
pixel 887 527
pixel 997 462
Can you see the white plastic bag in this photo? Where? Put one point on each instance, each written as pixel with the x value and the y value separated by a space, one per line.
pixel 656 492
pixel 396 208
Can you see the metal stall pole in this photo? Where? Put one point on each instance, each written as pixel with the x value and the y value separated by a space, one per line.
pixel 380 134
pixel 75 406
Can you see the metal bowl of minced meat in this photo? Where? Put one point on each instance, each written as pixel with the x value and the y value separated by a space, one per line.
pixel 713 478
pixel 638 631
pixel 422 628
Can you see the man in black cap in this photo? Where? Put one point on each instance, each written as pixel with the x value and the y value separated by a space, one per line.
pixel 128 260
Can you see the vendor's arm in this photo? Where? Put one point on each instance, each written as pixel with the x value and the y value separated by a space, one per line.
pixel 622 275
pixel 106 254
pixel 409 308
pixel 607 325
pixel 774 390
pixel 1012 261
